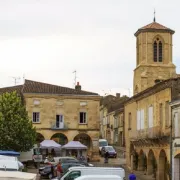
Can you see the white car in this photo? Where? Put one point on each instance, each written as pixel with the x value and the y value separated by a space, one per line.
pixel 102 143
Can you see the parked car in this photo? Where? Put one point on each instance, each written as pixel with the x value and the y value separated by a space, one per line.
pixel 46 170
pixel 67 159
pixel 75 172
pixel 110 150
pixel 102 143
pixel 64 159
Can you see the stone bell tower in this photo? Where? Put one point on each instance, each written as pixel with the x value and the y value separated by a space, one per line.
pixel 153 56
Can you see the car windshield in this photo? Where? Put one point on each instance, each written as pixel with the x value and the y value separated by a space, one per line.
pixel 103 143
pixel 110 148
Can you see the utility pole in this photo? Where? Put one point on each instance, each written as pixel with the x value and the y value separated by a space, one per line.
pixel 15 80
pixel 23 78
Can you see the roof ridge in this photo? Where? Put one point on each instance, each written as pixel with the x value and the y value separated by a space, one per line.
pixel 11 86
pixel 154 26
pixel 52 88
pixel 46 83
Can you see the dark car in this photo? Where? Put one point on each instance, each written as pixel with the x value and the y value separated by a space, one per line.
pixel 46 170
pixel 110 150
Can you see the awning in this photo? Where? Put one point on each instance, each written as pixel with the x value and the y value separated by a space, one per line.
pixel 49 144
pixel 74 145
pixel 9 153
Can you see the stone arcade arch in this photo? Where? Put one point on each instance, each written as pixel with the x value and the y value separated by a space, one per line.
pixel 60 138
pixel 162 169
pixel 151 163
pixel 142 161
pixel 39 138
pixel 84 139
pixel 133 157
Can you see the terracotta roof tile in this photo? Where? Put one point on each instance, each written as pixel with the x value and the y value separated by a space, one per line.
pixel 154 26
pixel 11 89
pixel 39 87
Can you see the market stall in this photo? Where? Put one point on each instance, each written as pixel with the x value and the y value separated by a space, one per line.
pixel 74 148
pixel 50 147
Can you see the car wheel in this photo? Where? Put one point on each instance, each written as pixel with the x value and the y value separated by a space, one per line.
pixel 50 176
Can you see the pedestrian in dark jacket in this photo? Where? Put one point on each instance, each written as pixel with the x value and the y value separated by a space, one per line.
pixel 106 156
pixel 132 176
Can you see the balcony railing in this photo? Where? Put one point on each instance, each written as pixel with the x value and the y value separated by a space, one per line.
pixel 155 132
pixel 138 134
pixel 59 126
pixel 149 133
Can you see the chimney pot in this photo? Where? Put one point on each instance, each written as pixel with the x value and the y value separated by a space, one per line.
pixel 118 95
pixel 78 87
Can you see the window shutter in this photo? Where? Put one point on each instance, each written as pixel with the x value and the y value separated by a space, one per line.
pixel 138 120
pixel 150 117
pixel 142 118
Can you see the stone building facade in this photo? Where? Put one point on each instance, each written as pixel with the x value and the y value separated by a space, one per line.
pixel 112 119
pixel 61 113
pixel 147 113
pixel 175 140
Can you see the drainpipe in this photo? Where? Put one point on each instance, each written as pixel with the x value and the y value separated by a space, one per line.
pixel 171 148
pixel 171 141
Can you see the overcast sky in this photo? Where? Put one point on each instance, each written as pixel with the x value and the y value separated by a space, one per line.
pixel 48 39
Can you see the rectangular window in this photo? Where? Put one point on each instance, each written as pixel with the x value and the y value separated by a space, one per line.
pixel 140 119
pixel 36 117
pixel 59 121
pixel 122 120
pixel 167 113
pixel 155 51
pixel 129 121
pixel 160 51
pixel 83 118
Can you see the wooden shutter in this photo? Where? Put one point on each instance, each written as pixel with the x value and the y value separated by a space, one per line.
pixel 142 118
pixel 150 117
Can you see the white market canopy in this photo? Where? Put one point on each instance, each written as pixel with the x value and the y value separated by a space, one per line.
pixel 49 144
pixel 74 145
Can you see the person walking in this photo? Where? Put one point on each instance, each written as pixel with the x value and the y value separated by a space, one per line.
pixel 106 156
pixel 132 176
pixel 59 170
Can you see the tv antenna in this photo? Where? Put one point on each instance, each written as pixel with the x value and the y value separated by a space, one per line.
pixel 15 79
pixel 75 77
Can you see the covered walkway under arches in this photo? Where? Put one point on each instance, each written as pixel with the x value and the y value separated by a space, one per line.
pixel 60 138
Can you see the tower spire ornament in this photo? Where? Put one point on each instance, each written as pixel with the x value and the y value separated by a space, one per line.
pixel 154 15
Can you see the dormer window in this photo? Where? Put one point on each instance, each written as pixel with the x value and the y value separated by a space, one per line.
pixel 157 48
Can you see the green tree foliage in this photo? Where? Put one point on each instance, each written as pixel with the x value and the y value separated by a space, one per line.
pixel 16 130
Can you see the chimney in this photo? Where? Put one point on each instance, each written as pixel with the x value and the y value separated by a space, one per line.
pixel 78 87
pixel 118 95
